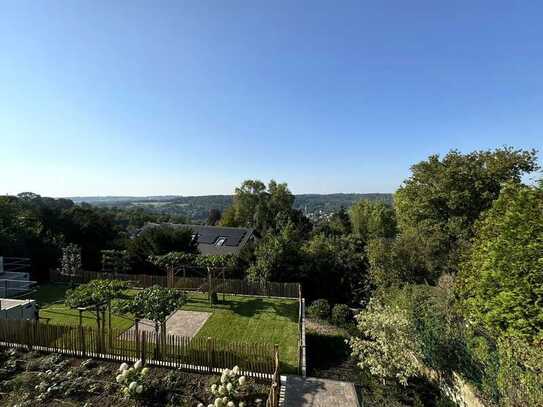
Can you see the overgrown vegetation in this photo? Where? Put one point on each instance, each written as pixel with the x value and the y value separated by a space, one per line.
pixel 448 279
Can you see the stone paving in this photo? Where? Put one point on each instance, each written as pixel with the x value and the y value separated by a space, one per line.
pixel 181 323
pixel 313 392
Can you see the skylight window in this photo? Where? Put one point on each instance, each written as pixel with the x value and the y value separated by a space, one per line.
pixel 220 241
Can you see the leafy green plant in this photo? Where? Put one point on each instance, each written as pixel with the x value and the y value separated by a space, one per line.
pixel 341 315
pixel 319 309
pixel 387 346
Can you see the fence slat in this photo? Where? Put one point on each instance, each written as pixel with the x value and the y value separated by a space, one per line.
pixel 223 286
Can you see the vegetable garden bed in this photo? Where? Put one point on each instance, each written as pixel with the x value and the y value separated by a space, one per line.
pixel 36 379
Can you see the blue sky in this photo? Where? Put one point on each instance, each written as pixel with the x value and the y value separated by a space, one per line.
pixel 192 97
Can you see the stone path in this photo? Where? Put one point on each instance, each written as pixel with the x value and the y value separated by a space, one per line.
pixel 181 323
pixel 313 392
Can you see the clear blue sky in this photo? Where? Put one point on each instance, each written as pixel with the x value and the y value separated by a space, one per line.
pixel 192 97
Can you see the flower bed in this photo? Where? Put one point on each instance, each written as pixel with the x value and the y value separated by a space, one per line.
pixel 37 379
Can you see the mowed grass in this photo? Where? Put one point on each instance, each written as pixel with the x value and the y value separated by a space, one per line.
pixel 254 320
pixel 235 318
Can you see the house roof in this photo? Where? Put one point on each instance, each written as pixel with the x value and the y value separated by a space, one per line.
pixel 217 240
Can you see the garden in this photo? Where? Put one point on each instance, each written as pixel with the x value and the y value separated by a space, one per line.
pixel 35 378
pixel 252 320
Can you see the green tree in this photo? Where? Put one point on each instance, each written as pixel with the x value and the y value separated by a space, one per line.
pixel 501 280
pixel 443 198
pixel 372 220
pixel 93 231
pixel 213 217
pixel 97 295
pixel 156 304
pixel 386 346
pixel 257 206
pixel 407 259
pixel 338 224
pixel 336 268
pixel 277 256
pixel 158 240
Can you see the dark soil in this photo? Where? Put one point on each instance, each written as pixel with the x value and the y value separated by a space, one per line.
pixel 39 379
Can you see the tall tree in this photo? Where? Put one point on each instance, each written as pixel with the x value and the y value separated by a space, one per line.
pixel 158 240
pixel 213 217
pixel 444 197
pixel 258 206
pixel 372 220
pixel 501 281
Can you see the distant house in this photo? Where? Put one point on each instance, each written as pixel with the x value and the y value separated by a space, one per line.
pixel 217 240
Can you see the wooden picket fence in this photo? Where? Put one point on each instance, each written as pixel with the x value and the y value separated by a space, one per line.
pixel 275 388
pixel 223 286
pixel 206 355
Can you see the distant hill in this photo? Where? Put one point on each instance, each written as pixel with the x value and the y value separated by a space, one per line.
pixel 196 208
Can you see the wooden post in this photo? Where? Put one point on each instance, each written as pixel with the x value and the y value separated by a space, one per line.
pixel 110 336
pixel 157 341
pixel 137 331
pixel 98 330
pixel 209 288
pixel 30 336
pixel 81 333
pixel 143 354
pixel 210 354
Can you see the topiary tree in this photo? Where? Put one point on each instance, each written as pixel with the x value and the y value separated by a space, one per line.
pixel 97 295
pixel 341 315
pixel 115 261
pixel 70 264
pixel 156 304
pixel 319 309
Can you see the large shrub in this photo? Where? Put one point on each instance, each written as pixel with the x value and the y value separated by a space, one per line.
pixel 387 346
pixel 341 315
pixel 500 283
pixel 319 309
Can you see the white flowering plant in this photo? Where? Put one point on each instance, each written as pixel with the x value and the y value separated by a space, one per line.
pixel 132 379
pixel 230 390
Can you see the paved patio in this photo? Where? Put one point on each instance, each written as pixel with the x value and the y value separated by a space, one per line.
pixel 181 323
pixel 313 392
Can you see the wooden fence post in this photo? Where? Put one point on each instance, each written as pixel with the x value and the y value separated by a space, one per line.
pixel 210 354
pixel 30 335
pixel 82 340
pixel 143 350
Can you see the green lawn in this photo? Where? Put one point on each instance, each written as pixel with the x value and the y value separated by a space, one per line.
pixel 237 318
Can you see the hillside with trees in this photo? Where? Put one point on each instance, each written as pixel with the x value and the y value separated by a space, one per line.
pixel 197 208
pixel 446 282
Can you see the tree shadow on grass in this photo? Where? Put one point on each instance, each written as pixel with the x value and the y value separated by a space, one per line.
pixel 289 310
pixel 249 308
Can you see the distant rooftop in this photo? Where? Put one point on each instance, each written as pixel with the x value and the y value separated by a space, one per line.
pixel 216 240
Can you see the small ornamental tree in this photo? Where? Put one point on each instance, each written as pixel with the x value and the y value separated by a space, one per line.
pixel 70 264
pixel 156 304
pixel 98 295
pixel 115 261
pixel 387 346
